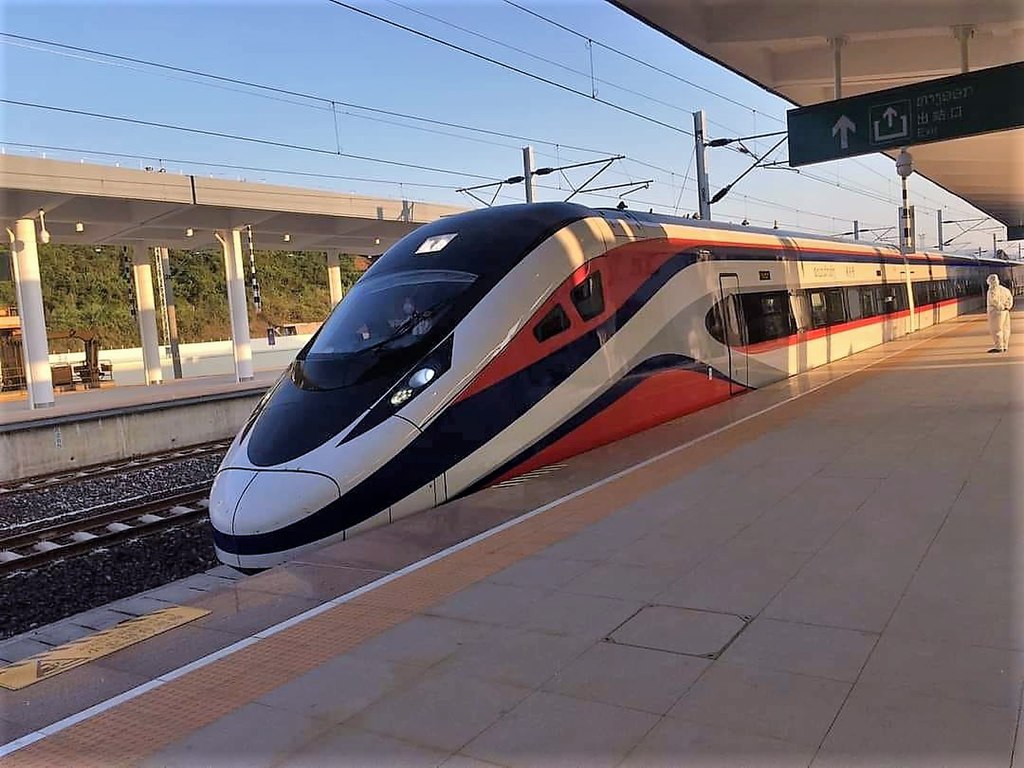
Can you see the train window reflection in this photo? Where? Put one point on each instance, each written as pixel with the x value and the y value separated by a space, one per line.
pixel 588 297
pixel 553 323
pixel 396 309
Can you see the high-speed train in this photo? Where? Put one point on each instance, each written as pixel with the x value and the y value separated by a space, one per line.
pixel 493 342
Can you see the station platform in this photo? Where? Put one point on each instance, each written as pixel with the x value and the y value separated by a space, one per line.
pixel 822 572
pixel 93 426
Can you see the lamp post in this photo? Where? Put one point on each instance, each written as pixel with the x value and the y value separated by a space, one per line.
pixel 905 167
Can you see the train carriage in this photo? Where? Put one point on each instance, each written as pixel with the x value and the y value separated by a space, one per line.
pixel 489 343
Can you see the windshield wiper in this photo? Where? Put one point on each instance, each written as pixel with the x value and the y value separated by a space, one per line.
pixel 408 324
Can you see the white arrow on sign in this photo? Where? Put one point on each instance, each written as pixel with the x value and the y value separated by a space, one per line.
pixel 843 127
pixel 890 114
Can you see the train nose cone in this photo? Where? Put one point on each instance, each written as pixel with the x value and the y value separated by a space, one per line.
pixel 227 490
pixel 274 500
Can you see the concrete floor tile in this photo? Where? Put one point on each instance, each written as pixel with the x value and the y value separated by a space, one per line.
pixel 352 748
pixel 461 761
pixel 491 603
pixel 673 743
pixel 553 731
pixel 628 582
pixel 540 572
pixel 442 710
pixel 50 700
pixel 988 676
pixel 994 621
pixel 1018 750
pixel 670 552
pixel 99 619
pixel 836 654
pixel 312 581
pixel 779 705
pixel 736 579
pixel 421 640
pixel 637 678
pixel 244 612
pixel 167 651
pixel 586 546
pixel 138 605
pixel 341 688
pixel 806 519
pixel 21 647
pixel 679 630
pixel 515 656
pixel 9 730
pixel 583 615
pixel 888 726
pixel 834 601
pixel 251 736
pixel 60 633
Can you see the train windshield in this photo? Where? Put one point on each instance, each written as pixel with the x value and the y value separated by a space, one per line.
pixel 389 312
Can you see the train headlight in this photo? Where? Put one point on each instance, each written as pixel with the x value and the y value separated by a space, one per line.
pixel 418 380
pixel 421 378
pixel 427 371
pixel 401 396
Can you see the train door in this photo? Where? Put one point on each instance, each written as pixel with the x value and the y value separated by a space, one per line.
pixel 735 329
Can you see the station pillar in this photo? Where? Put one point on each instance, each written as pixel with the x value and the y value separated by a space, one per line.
pixel 234 272
pixel 170 311
pixel 145 306
pixel 334 275
pixel 29 290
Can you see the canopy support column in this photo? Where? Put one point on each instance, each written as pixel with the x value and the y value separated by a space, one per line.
pixel 334 275
pixel 234 272
pixel 28 288
pixel 145 305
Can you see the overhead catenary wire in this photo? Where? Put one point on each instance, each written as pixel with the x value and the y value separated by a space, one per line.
pixel 320 101
pixel 238 137
pixel 329 104
pixel 510 67
pixel 590 75
pixel 326 103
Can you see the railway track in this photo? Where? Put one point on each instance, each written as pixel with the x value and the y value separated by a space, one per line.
pixel 42 545
pixel 99 470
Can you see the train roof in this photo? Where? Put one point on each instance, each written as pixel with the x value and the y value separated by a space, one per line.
pixel 660 218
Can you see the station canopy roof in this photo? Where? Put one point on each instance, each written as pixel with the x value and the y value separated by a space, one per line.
pixel 784 46
pixel 128 206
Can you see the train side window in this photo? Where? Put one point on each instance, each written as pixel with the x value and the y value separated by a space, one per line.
pixel 868 305
pixel 819 311
pixel 588 297
pixel 834 306
pixel 900 292
pixel 853 303
pixel 920 293
pixel 553 323
pixel 801 311
pixel 768 316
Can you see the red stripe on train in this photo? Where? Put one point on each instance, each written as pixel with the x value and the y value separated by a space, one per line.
pixel 661 397
pixel 623 270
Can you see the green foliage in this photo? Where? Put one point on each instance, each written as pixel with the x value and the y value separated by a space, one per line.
pixel 86 288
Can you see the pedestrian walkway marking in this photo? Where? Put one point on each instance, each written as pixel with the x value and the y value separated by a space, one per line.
pixel 26 672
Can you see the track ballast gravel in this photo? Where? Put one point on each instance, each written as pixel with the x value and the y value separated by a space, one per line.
pixel 23 511
pixel 37 597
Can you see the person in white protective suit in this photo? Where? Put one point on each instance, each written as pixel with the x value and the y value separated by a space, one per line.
pixel 1000 302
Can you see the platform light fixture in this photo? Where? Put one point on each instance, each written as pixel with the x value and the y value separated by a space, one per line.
pixel 287 237
pixel 44 233
pixel 79 226
pixel 189 232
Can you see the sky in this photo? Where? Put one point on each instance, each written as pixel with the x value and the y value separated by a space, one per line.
pixel 354 67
